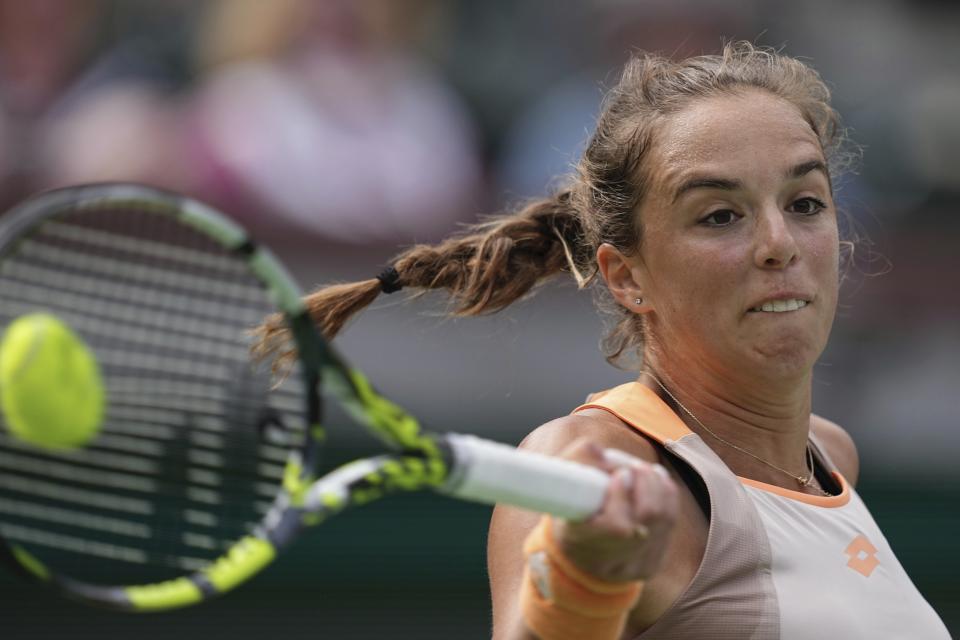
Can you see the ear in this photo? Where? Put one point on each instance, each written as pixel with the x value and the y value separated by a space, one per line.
pixel 623 278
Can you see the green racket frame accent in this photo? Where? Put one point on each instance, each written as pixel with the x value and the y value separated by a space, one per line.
pixel 209 222
pixel 285 294
pixel 296 481
pixel 162 596
pixel 395 426
pixel 244 559
pixel 30 563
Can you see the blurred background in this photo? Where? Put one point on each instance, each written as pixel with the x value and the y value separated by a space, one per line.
pixel 341 131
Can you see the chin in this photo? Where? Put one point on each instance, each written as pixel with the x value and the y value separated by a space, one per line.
pixel 788 358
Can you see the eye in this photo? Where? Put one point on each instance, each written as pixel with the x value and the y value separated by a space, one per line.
pixel 720 218
pixel 808 206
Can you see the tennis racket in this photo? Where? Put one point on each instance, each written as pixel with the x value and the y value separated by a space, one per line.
pixel 206 466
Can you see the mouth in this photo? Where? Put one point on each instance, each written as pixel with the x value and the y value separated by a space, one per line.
pixel 780 306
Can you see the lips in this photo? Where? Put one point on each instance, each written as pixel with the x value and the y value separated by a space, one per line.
pixel 781 303
pixel 779 306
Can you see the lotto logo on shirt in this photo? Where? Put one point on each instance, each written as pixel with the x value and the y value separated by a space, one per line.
pixel 863 556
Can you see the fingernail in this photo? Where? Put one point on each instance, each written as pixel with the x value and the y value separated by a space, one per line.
pixel 625 476
pixel 618 458
pixel 661 471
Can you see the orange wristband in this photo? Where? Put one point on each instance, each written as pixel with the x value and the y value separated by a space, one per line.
pixel 562 602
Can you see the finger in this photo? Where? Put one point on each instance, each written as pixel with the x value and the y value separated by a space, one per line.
pixel 644 502
pixel 654 496
pixel 584 451
pixel 644 490
pixel 617 503
pixel 615 508
pixel 644 497
pixel 657 477
pixel 614 458
pixel 625 479
pixel 661 471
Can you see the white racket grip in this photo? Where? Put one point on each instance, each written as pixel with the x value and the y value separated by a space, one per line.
pixel 490 472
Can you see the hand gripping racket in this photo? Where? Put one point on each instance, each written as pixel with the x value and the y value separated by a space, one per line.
pixel 205 467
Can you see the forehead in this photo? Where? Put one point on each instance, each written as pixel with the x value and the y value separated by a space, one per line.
pixel 733 135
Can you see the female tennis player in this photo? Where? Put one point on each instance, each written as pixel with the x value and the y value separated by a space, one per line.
pixel 704 203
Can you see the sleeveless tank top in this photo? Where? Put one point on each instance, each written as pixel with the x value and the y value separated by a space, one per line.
pixel 778 563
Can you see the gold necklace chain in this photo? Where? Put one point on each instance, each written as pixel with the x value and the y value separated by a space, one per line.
pixel 803 481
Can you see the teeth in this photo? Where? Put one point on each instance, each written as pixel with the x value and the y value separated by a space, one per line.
pixel 779 306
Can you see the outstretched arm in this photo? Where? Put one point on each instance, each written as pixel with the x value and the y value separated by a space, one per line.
pixel 624 542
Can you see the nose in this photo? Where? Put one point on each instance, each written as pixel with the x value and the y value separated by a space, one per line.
pixel 775 246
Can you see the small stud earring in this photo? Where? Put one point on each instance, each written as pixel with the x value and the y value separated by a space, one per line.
pixel 638 301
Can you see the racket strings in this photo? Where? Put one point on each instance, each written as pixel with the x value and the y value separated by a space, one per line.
pixel 191 451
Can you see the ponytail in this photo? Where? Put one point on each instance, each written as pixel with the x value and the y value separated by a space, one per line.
pixel 495 263
pixel 484 269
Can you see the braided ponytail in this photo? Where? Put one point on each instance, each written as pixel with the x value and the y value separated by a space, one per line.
pixel 495 263
pixel 484 268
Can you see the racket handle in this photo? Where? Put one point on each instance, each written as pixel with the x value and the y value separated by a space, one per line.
pixel 490 472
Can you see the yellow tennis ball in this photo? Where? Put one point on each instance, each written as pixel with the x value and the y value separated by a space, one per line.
pixel 50 386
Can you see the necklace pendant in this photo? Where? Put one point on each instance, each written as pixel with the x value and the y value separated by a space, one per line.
pixel 803 481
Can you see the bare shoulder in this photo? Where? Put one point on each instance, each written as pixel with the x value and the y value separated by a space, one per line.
pixel 598 426
pixel 839 445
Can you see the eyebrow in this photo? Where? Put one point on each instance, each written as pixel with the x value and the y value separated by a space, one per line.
pixel 710 182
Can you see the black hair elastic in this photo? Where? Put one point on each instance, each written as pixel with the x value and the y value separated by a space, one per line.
pixel 389 280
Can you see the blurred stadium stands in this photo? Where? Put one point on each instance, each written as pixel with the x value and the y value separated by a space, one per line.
pixel 340 131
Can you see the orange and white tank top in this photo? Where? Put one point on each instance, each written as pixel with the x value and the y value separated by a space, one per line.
pixel 778 563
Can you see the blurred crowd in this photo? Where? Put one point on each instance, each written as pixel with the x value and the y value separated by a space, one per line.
pixel 389 121
pixel 299 117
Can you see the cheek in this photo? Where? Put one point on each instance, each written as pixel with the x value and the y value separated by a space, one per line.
pixel 824 252
pixel 823 255
pixel 700 278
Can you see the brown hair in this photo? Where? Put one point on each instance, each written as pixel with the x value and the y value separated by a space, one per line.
pixel 492 264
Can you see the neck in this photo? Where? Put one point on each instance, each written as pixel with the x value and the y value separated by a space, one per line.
pixel 735 414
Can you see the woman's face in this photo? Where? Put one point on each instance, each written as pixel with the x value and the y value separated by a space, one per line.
pixel 739 218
